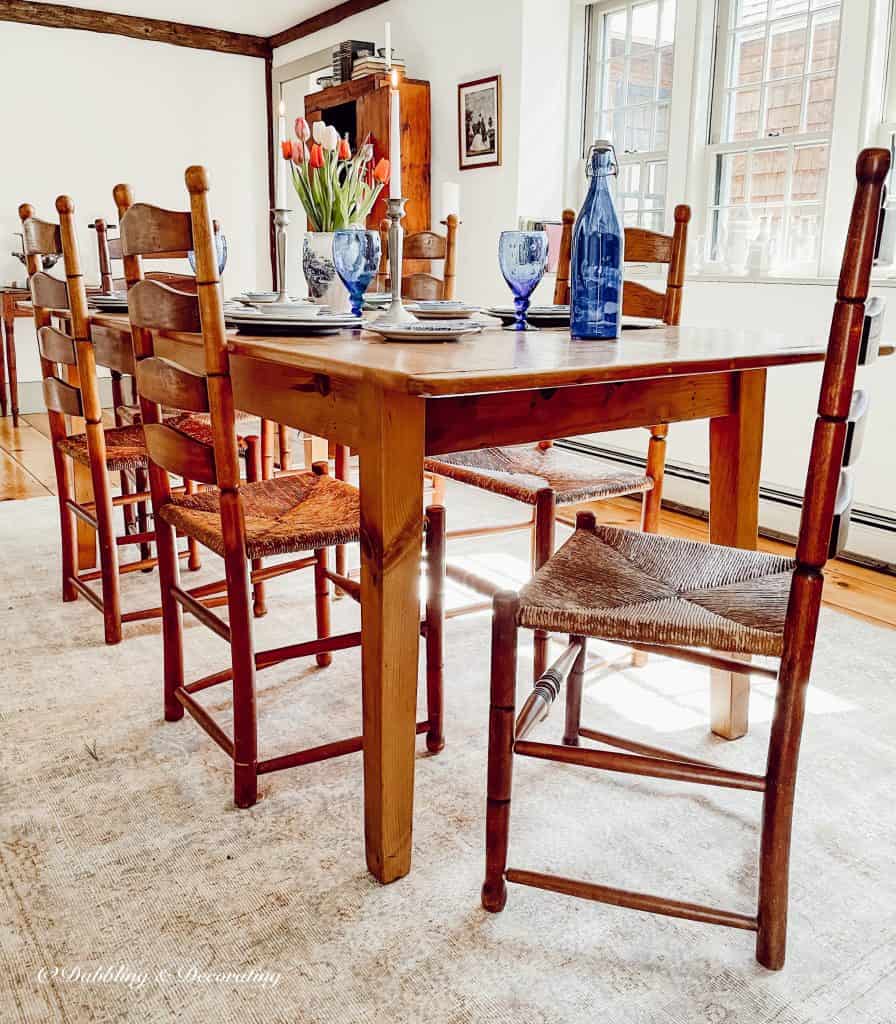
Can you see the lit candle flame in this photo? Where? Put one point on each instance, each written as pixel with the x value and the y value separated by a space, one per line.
pixel 282 108
pixel 394 78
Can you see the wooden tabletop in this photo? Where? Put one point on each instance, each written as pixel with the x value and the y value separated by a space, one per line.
pixel 498 360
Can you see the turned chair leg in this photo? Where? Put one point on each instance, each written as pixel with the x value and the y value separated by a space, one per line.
pixel 245 725
pixel 780 781
pixel 194 559
pixel 652 501
pixel 141 484
pixel 254 469
pixel 127 511
pixel 268 433
pixel 438 490
pixel 542 549
pixel 322 602
pixel 574 686
pixel 283 444
pixel 172 619
pixel 67 525
pixel 435 620
pixel 500 749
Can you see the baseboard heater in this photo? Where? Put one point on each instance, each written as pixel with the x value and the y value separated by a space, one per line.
pixel 873 518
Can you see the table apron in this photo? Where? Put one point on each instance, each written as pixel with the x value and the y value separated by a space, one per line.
pixel 468 422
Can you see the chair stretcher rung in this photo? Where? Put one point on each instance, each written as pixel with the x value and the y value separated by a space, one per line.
pixel 635 764
pixel 632 900
pixel 205 721
pixel 472 581
pixel 633 747
pixel 322 753
pixel 206 617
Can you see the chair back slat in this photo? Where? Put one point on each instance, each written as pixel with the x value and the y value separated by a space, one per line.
pixel 641 246
pixel 828 494
pixel 159 307
pixel 182 282
pixel 113 348
pixel 180 454
pixel 151 231
pixel 48 292
pixel 115 252
pixel 166 383
pixel 425 245
pixel 639 300
pixel 62 397
pixel 56 347
pixel 422 286
pixel 41 238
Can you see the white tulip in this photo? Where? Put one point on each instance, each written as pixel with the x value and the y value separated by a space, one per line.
pixel 317 132
pixel 331 138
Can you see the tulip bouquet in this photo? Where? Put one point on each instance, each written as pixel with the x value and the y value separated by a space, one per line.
pixel 337 189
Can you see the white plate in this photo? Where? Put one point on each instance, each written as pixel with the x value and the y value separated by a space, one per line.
pixel 287 310
pixel 441 311
pixel 436 330
pixel 542 311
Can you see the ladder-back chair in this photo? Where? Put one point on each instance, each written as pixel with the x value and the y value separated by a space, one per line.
pixel 240 522
pixel 681 598
pixel 545 477
pixel 420 248
pixel 69 357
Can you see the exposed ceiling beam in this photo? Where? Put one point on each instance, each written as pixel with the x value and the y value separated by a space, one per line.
pixel 173 32
pixel 325 19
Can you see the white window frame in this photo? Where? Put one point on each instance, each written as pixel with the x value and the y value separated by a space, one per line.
pixel 587 31
pixel 722 89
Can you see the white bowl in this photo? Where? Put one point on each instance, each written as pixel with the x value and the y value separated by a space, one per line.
pixel 304 309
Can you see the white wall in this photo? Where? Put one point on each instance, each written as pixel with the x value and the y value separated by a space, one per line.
pixel 447 44
pixel 104 109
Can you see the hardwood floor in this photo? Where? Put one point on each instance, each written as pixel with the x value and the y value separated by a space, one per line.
pixel 26 471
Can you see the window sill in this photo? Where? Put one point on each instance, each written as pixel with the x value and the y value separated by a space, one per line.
pixel 879 279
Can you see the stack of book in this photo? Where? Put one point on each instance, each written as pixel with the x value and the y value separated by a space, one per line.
pixel 376 66
pixel 345 55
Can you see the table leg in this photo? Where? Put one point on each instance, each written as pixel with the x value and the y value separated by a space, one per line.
pixel 10 332
pixel 3 401
pixel 735 460
pixel 391 457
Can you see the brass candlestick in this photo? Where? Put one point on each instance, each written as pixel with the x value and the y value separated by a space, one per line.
pixel 396 315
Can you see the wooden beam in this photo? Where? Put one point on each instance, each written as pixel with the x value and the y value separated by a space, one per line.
pixel 323 20
pixel 27 12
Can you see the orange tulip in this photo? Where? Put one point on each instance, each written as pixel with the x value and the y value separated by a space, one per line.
pixel 382 171
pixel 286 148
pixel 345 150
pixel 317 156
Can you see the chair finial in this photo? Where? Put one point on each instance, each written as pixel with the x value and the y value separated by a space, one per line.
pixel 26 211
pixel 872 165
pixel 64 204
pixel 196 178
pixel 124 198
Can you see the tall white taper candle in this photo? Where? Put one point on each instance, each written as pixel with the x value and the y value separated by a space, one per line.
pixel 280 194
pixel 395 138
pixel 388 44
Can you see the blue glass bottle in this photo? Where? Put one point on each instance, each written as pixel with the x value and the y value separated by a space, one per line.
pixel 598 244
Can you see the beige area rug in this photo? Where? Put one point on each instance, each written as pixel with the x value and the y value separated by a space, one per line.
pixel 133 891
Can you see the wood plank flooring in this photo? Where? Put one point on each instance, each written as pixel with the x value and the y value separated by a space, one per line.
pixel 26 471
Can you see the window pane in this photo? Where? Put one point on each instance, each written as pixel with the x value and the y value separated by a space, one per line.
pixel 629 178
pixel 667 23
pixel 825 41
pixel 781 8
pixel 645 22
pixel 731 187
pixel 820 108
pixel 751 11
pixel 661 135
pixel 656 178
pixel 614 83
pixel 615 28
pixel 768 176
pixel 642 75
pixel 749 58
pixel 804 236
pixel 785 101
pixel 664 89
pixel 639 121
pixel 788 50
pixel 810 168
pixel 745 114
pixel 653 220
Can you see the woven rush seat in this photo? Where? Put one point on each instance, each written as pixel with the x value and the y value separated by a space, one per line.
pixel 636 587
pixel 304 512
pixel 247 423
pixel 125 446
pixel 521 471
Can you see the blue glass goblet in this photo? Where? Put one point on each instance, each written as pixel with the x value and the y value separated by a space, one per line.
pixel 220 252
pixel 523 256
pixel 356 256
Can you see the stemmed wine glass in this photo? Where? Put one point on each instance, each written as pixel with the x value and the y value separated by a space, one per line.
pixel 356 256
pixel 523 256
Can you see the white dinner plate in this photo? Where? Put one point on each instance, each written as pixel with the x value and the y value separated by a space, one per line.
pixel 434 330
pixel 442 310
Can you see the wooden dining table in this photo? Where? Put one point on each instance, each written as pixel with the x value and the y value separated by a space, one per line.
pixel 394 403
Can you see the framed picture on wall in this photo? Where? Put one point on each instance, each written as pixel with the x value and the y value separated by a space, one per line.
pixel 479 123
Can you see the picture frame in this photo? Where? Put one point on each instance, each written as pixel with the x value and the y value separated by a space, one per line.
pixel 479 123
